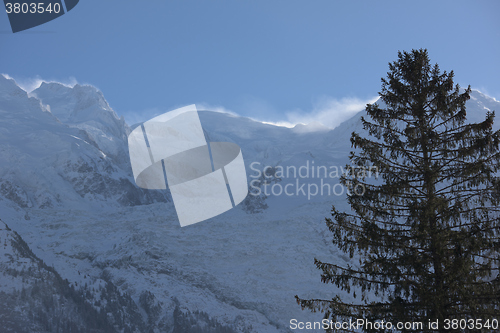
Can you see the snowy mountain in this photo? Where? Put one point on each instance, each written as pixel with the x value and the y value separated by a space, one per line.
pixel 34 297
pixel 66 188
pixel 84 107
pixel 45 162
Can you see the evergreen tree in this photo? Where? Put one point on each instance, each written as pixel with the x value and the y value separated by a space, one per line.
pixel 426 233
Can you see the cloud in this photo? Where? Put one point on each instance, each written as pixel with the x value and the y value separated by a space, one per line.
pixel 217 108
pixel 277 123
pixel 329 112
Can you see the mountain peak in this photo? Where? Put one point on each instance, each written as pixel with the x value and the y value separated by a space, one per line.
pixel 72 104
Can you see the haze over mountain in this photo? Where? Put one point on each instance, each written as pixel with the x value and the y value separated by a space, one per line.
pixel 67 191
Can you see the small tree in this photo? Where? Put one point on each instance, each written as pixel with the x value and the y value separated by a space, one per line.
pixel 426 233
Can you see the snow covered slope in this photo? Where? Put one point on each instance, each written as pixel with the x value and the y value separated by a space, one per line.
pixel 34 297
pixel 46 163
pixel 84 107
pixel 66 187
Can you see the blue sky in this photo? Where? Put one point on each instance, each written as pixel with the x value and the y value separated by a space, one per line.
pixel 291 61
